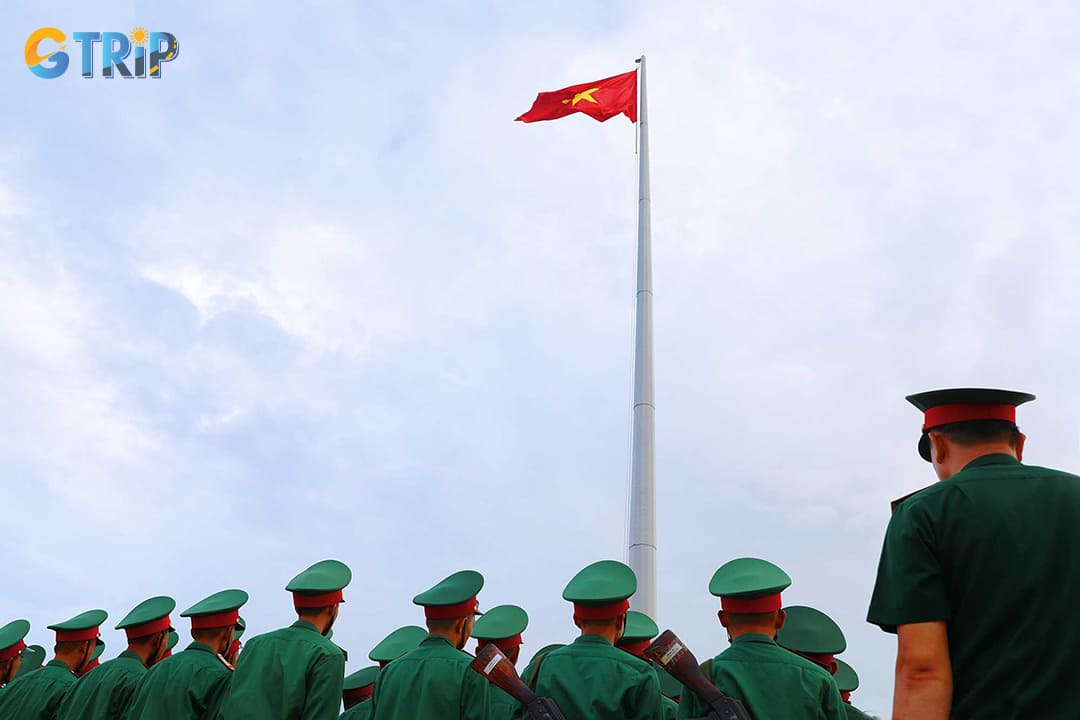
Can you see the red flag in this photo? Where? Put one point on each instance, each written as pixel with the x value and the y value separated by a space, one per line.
pixel 599 100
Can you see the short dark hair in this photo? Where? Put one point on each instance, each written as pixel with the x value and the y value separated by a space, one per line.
pixel 980 432
pixel 310 611
pixel 441 625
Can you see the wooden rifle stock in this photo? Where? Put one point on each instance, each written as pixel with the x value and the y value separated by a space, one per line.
pixel 676 658
pixel 497 668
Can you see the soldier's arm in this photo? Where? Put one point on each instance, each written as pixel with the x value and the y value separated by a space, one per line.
pixel 325 680
pixel 923 672
pixel 832 705
pixel 475 700
pixel 651 703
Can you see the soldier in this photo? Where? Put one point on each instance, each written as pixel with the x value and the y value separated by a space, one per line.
pixel 640 631
pixel 190 685
pixel 528 676
pixel 771 682
pixel 966 560
pixel 502 626
pixel 590 679
pixel 295 672
pixel 848 682
pixel 39 695
pixel 396 644
pixel 95 660
pixel 105 693
pixel 434 681
pixel 812 634
pixel 33 658
pixel 11 647
pixel 356 693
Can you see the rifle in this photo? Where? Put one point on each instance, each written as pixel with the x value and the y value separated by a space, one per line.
pixel 681 664
pixel 497 668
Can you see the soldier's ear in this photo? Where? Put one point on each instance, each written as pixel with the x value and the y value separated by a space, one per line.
pixel 723 618
pixel 781 618
pixel 1020 440
pixel 939 448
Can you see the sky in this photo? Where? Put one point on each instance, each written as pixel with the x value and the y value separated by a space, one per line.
pixel 314 294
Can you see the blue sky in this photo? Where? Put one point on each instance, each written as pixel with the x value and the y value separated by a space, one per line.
pixel 314 294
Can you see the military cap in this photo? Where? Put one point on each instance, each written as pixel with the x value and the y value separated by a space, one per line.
pixel 748 586
pixel 33 657
pixel 221 609
pixel 95 659
pixel 639 632
pixel 809 631
pixel 360 684
pixel 11 638
pixel 320 585
pixel 501 626
pixel 601 591
pixel 241 628
pixel 453 597
pixel 84 626
pixel 397 644
pixel 945 407
pixel 148 617
pixel 847 680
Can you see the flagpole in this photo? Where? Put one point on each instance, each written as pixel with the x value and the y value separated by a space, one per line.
pixel 642 500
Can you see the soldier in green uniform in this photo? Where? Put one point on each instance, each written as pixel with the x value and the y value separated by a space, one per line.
pixel 640 631
pixel 812 634
pixel 978 570
pixel 295 672
pixel 528 676
pixel 396 644
pixel 848 682
pixel 39 695
pixel 105 693
pixel 502 626
pixel 33 658
pixel 434 681
pixel 590 679
pixel 12 644
pixel 771 682
pixel 356 693
pixel 191 684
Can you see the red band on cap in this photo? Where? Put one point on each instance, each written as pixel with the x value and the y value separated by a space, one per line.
pixel 825 660
pixel 636 647
pixel 845 695
pixel 743 606
pixel 200 622
pixel 154 626
pixel 503 644
pixel 359 694
pixel 302 600
pixel 8 653
pixel 965 412
pixel 449 612
pixel 77 635
pixel 601 612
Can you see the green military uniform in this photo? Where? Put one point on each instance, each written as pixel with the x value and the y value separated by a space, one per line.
pixel 434 681
pixel 396 644
pixel 992 552
pixel 356 694
pixel 191 684
pixel 12 644
pixel 39 695
pixel 106 693
pixel 671 690
pixel 591 679
pixel 640 631
pixel 294 672
pixel 771 682
pixel 848 682
pixel 533 668
pixel 502 626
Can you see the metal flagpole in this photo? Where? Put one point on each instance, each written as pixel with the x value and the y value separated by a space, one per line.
pixel 642 515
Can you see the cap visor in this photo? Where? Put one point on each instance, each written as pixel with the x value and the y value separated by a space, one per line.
pixel 924 447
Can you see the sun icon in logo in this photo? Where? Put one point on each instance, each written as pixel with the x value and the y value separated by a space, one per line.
pixel 139 35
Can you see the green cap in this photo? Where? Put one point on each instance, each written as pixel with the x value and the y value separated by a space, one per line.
pixel 148 617
pixel 397 643
pixel 749 586
pixel 847 680
pixel 174 637
pixel 501 625
pixel 601 590
pixel 241 627
pixel 944 407
pixel 11 638
pixel 639 627
pixel 219 610
pixel 99 649
pixel 84 626
pixel 453 597
pixel 810 632
pixel 361 678
pixel 320 585
pixel 33 657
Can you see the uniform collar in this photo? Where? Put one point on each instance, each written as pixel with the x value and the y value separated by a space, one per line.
pixel 200 647
pixel 129 655
pixel 432 638
pixel 754 638
pixel 304 624
pixel 59 664
pixel 992 459
pixel 591 639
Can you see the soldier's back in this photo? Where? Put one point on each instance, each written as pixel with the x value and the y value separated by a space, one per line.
pixel 37 695
pixel 187 686
pixel 431 682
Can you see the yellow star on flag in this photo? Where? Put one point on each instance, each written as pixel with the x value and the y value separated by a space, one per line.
pixel 583 95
